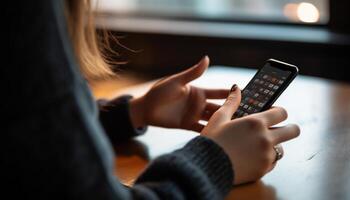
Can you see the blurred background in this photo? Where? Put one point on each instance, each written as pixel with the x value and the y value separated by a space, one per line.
pixel 314 11
pixel 160 37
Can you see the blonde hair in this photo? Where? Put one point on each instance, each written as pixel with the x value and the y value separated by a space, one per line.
pixel 89 48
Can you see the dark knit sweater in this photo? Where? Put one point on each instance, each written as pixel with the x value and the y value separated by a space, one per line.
pixel 57 144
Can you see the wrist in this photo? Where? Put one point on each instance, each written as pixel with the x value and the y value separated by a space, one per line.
pixel 137 112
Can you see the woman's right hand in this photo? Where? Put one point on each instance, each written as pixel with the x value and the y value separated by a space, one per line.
pixel 249 141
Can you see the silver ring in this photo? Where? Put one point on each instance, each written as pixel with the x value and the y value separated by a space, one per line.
pixel 279 154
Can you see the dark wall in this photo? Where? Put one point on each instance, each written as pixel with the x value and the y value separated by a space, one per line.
pixel 165 54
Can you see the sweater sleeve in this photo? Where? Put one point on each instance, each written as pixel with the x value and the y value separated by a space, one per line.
pixel 53 144
pixel 200 170
pixel 201 167
pixel 114 116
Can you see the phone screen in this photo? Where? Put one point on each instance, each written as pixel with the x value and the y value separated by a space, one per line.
pixel 265 87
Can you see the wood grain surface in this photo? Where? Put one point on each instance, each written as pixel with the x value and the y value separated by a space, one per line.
pixel 316 165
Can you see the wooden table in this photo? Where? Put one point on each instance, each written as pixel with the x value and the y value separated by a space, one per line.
pixel 316 165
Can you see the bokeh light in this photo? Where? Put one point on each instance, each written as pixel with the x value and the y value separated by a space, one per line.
pixel 308 13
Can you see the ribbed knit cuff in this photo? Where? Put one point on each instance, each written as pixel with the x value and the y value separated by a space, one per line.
pixel 116 120
pixel 201 168
pixel 212 159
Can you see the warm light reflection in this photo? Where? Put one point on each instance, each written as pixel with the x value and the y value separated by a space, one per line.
pixel 304 12
pixel 308 13
pixel 290 11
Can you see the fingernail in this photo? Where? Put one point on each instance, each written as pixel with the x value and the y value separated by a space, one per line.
pixel 233 88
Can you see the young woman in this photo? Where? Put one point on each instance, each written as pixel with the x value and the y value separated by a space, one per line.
pixel 58 143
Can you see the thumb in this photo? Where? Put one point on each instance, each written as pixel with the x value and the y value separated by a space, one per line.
pixel 194 72
pixel 231 104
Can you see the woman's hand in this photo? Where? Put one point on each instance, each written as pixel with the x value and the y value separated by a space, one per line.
pixel 249 141
pixel 172 103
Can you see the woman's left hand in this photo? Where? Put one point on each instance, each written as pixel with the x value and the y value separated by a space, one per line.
pixel 172 103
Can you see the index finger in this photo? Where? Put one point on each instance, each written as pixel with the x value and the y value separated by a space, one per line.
pixel 216 93
pixel 231 104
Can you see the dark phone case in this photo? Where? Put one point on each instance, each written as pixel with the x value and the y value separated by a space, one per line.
pixel 282 66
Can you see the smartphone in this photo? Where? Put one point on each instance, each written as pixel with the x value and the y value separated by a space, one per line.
pixel 265 87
